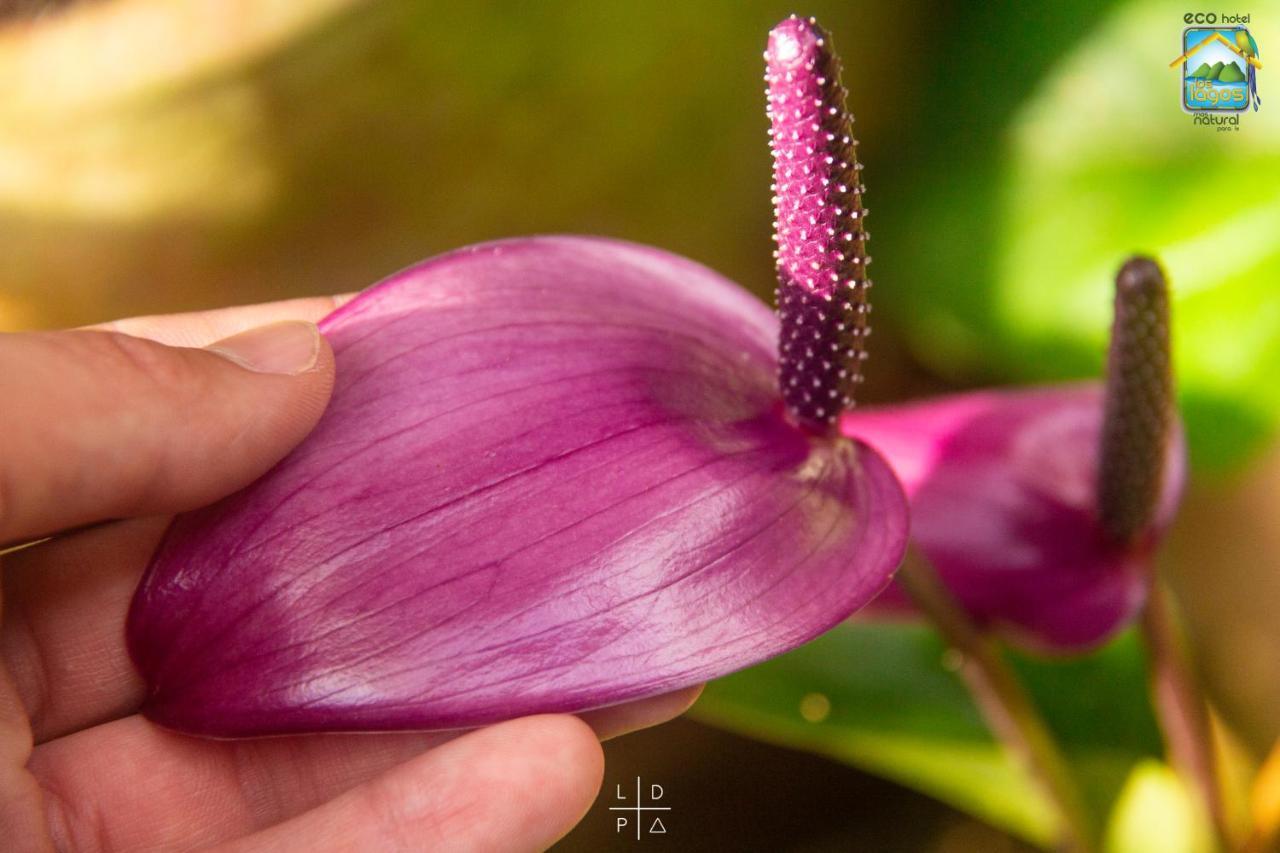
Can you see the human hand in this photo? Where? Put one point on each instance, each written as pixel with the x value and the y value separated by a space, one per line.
pixel 128 422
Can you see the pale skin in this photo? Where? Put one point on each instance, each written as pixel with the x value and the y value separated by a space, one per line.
pixel 135 421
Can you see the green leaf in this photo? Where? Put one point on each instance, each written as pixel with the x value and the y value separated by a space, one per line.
pixel 880 696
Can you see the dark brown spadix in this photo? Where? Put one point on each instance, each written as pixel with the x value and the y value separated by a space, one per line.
pixel 1138 414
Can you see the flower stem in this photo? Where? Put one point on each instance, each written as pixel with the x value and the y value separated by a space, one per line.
pixel 1002 699
pixel 1181 710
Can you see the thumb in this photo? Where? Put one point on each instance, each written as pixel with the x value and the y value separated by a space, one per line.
pixel 103 425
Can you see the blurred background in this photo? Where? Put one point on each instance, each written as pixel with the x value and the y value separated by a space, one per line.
pixel 168 155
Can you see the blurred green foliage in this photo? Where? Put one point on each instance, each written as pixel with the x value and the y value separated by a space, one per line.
pixel 1099 170
pixel 1098 162
pixel 880 696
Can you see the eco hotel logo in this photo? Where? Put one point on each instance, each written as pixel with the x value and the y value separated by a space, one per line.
pixel 1219 67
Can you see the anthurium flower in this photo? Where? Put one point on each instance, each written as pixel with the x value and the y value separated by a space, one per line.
pixel 556 473
pixel 1040 508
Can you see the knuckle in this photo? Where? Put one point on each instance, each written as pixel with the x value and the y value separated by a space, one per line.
pixel 148 362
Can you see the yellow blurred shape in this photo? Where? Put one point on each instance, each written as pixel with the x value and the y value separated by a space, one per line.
pixel 116 111
pixel 100 52
pixel 1264 801
pixel 188 158
pixel 815 707
pixel 1157 814
pixel 14 314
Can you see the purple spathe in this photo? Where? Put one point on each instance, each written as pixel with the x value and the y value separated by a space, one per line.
pixel 1003 492
pixel 555 474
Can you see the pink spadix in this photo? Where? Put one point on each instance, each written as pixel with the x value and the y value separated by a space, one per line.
pixel 818 226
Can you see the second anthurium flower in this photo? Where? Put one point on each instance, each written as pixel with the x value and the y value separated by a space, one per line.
pixel 556 473
pixel 1040 509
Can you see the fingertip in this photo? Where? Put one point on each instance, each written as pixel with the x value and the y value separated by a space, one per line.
pixel 580 748
pixel 518 785
pixel 562 762
pixel 296 354
pixel 261 393
pixel 623 719
pixel 319 378
pixel 585 787
pixel 683 700
pixel 288 347
pixel 553 768
pixel 292 349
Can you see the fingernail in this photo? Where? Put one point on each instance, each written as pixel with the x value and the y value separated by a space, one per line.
pixel 290 347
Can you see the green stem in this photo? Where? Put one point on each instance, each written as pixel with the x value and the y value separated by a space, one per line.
pixel 1004 702
pixel 1184 719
